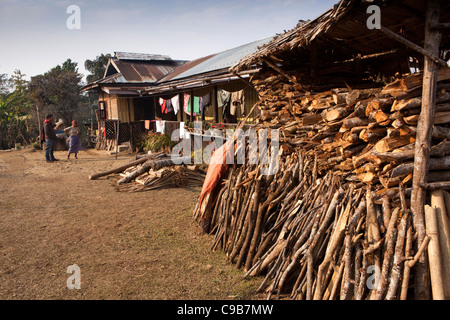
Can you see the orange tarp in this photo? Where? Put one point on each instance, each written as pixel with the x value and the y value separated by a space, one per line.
pixel 217 168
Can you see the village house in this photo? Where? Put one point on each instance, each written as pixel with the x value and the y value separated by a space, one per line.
pixel 119 94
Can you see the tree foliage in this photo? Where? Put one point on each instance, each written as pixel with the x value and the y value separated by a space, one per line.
pixel 58 91
pixel 96 67
pixel 13 119
pixel 24 104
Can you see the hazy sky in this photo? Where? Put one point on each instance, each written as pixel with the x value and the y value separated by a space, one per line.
pixel 34 36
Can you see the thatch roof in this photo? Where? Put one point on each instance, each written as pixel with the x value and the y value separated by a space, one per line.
pixel 341 33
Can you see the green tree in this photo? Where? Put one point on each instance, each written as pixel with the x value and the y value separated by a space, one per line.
pixel 15 111
pixel 12 120
pixel 96 67
pixel 57 91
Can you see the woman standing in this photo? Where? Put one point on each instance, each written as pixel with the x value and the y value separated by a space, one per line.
pixel 74 142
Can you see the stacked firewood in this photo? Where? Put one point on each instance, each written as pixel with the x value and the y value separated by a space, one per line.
pixel 155 171
pixel 151 179
pixel 334 221
pixel 369 132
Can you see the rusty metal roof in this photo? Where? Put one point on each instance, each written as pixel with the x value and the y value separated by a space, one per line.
pixel 139 71
pixel 145 71
pixel 141 56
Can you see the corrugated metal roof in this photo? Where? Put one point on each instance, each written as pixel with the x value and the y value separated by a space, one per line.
pixel 143 71
pixel 141 56
pixel 187 66
pixel 223 60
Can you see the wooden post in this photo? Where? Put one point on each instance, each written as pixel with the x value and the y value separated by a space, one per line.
pixel 181 111
pixel 216 107
pixel 117 137
pixel 434 256
pixel 192 106
pixel 39 125
pixel 129 124
pixel 423 144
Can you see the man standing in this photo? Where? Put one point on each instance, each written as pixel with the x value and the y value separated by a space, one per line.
pixel 50 138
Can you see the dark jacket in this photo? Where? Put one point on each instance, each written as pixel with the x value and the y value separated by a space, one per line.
pixel 49 132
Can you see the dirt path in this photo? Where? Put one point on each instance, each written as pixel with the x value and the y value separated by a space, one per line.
pixel 127 245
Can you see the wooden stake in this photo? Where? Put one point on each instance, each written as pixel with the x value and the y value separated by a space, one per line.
pixel 423 142
pixel 437 285
pixel 438 203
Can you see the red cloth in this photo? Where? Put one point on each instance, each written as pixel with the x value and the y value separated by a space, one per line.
pixel 43 132
pixel 162 102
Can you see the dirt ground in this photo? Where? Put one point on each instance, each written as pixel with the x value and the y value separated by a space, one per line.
pixel 128 246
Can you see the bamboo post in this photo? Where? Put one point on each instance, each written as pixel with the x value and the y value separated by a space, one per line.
pixel 434 258
pixel 117 137
pixel 39 125
pixel 447 205
pixel 423 142
pixel 438 203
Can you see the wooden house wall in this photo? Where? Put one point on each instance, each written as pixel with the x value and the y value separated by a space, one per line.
pixel 124 105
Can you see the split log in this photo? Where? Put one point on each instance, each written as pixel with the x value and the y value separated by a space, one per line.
pixel 441 133
pixel 350 123
pixel 413 82
pixel 389 144
pixel 440 150
pixel 336 114
pixel 434 164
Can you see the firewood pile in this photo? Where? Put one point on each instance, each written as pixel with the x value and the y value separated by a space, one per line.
pixel 170 177
pixel 154 171
pixel 334 222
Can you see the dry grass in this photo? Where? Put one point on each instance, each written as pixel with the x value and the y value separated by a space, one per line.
pixel 127 245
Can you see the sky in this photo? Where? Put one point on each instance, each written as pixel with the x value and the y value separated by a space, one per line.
pixel 35 37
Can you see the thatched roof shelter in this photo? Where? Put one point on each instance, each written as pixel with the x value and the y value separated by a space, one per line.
pixel 340 37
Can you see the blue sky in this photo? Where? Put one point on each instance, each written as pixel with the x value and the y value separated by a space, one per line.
pixel 34 36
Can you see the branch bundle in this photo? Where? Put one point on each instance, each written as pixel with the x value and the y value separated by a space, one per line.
pixel 334 221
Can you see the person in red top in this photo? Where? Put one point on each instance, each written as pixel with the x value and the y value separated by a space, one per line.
pixel 50 138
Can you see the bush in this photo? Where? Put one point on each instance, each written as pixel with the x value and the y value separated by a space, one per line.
pixel 155 142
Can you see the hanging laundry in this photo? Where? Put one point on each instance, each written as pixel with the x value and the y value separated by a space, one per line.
pixel 237 101
pixel 187 104
pixel 196 107
pixel 162 103
pixel 223 101
pixel 176 103
pixel 205 101
pixel 169 107
pixel 184 134
pixel 160 126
